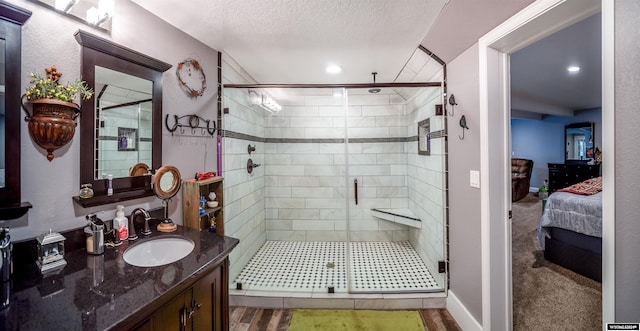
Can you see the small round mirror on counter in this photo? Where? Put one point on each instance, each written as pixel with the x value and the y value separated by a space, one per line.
pixel 166 184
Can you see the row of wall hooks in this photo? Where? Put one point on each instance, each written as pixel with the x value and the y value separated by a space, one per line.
pixel 193 122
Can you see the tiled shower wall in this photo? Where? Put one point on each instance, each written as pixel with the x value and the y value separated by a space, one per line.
pixel 244 213
pixel 377 131
pixel 426 181
pixel 304 179
pixel 305 183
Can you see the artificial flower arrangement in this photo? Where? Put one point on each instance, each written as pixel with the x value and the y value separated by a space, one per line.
pixel 50 88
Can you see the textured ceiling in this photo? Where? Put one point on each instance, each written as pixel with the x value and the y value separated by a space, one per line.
pixel 292 41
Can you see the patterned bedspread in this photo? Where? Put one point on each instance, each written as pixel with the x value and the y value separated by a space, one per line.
pixel 578 213
pixel 587 187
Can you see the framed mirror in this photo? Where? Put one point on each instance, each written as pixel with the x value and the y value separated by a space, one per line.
pixel 579 142
pixel 11 20
pixel 121 126
pixel 124 114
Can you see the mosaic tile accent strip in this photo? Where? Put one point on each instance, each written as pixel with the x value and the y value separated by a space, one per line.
pixel 314 266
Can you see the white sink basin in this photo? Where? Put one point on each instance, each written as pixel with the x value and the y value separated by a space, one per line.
pixel 157 252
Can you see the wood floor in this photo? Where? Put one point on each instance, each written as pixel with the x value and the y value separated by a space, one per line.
pixel 259 319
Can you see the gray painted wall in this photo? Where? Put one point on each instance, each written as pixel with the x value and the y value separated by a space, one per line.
pixel 464 201
pixel 47 39
pixel 627 121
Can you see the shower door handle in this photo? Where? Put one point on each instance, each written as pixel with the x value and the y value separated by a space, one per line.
pixel 355 189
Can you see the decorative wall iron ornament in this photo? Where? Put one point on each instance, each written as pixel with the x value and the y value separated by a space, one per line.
pixel 191 77
pixel 193 122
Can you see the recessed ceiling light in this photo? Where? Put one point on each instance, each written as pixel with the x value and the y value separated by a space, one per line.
pixel 573 69
pixel 334 69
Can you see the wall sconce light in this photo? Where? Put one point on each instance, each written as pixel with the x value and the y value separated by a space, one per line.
pixel 65 5
pixel 270 104
pixel 101 14
pixel 265 102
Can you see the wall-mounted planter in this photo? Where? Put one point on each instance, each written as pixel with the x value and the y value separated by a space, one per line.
pixel 52 123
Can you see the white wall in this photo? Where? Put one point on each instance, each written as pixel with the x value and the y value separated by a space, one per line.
pixel 47 39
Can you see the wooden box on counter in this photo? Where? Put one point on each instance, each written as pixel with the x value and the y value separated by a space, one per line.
pixel 192 190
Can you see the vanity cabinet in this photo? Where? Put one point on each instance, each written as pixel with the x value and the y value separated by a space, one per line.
pixel 202 306
pixel 562 175
pixel 192 190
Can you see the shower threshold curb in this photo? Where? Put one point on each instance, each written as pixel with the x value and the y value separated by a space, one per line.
pixel 341 300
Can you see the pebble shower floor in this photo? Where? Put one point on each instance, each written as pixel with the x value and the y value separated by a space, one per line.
pixel 314 266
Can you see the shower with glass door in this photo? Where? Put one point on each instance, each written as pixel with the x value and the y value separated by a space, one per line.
pixel 351 192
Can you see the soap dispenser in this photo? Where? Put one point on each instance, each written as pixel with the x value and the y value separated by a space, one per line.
pixel 121 223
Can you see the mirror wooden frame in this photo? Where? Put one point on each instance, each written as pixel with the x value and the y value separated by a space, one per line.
pixel 11 20
pixel 590 125
pixel 175 184
pixel 97 51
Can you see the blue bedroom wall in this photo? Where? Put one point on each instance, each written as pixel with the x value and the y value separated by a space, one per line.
pixel 542 140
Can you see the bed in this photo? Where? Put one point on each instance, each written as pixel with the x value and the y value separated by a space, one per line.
pixel 570 229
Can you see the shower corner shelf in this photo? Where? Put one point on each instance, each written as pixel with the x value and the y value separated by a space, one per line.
pixel 397 215
pixel 192 190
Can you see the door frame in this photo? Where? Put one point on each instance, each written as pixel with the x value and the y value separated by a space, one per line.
pixel 538 20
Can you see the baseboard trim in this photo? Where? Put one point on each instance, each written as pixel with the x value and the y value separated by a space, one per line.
pixel 459 312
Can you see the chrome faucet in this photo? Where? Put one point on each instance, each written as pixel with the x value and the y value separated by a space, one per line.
pixel 132 226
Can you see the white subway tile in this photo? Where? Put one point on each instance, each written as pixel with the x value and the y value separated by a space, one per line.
pixel 312 192
pixel 285 202
pixel 285 235
pixel 312 225
pixel 278 224
pixel 321 235
pixel 288 170
pixel 299 213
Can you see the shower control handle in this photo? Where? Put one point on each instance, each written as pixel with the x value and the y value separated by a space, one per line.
pixel 251 166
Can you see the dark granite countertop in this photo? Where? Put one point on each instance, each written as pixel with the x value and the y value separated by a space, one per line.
pixel 96 292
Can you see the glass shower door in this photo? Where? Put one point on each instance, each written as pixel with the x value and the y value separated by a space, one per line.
pixel 396 226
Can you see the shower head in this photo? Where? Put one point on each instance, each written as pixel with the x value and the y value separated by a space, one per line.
pixel 374 90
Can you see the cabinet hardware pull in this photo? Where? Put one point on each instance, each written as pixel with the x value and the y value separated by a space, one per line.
pixel 183 318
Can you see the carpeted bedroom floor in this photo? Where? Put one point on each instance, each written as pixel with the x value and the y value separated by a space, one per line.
pixel 545 295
